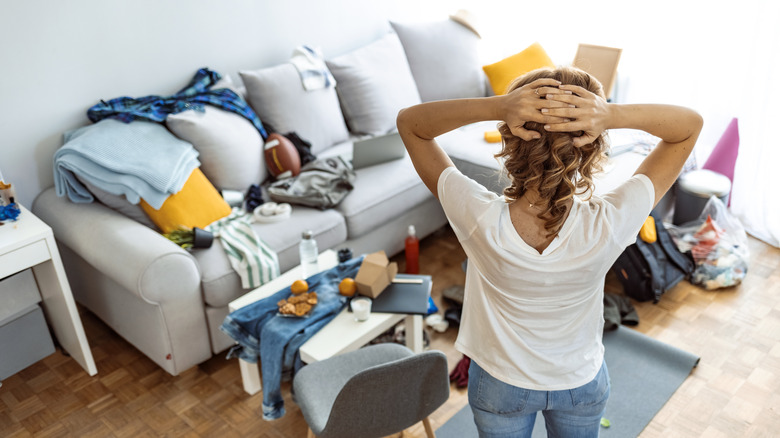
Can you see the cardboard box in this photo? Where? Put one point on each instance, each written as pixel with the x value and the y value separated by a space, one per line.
pixel 375 274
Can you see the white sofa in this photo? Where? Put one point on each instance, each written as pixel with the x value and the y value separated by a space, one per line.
pixel 168 302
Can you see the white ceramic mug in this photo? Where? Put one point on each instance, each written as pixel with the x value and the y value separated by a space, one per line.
pixel 361 308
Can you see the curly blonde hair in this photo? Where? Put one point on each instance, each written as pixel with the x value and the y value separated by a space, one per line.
pixel 552 164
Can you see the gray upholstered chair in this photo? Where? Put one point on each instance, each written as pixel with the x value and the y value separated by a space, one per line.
pixel 375 391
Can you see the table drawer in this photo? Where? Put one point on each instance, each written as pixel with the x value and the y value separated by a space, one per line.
pixel 23 258
pixel 18 293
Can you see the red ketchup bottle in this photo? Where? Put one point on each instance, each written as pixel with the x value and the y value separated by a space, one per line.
pixel 412 251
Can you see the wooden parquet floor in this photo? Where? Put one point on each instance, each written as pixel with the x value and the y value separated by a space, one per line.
pixel 734 392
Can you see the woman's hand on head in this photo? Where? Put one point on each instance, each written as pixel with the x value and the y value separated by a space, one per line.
pixel 526 104
pixel 583 110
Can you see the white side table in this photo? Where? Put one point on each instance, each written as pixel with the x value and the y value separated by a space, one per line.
pixel 29 243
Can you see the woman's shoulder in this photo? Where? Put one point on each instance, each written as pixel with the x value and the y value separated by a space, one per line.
pixel 623 207
pixel 636 191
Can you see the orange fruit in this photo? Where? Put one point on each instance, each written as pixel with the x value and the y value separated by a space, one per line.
pixel 299 287
pixel 347 287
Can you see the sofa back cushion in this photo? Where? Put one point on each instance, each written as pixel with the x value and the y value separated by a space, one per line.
pixel 119 203
pixel 279 99
pixel 444 59
pixel 374 83
pixel 230 147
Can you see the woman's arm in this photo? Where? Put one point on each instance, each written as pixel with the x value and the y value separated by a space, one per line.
pixel 419 125
pixel 678 127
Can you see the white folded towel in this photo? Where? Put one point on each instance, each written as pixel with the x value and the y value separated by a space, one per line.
pixel 311 66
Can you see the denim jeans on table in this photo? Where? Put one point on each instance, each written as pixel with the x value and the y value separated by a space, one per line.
pixel 263 334
pixel 503 410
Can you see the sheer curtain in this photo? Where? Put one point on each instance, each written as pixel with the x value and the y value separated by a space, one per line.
pixel 755 198
pixel 720 59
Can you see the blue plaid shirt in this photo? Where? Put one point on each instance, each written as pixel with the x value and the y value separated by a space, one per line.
pixel 192 97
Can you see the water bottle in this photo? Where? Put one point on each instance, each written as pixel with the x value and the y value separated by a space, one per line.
pixel 308 252
pixel 412 251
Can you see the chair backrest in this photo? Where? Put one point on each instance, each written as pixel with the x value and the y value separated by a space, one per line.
pixel 385 399
pixel 601 62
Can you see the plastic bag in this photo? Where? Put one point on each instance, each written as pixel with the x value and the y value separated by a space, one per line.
pixel 719 245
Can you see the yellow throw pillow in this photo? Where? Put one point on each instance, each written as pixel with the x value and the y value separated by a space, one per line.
pixel 197 204
pixel 503 72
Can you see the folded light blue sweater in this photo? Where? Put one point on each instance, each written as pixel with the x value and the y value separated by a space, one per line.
pixel 141 160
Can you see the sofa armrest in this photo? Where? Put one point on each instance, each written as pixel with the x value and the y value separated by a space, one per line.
pixel 138 258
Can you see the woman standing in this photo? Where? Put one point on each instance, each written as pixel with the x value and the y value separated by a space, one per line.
pixel 533 312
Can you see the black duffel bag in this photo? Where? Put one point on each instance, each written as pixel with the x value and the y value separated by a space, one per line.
pixel 648 269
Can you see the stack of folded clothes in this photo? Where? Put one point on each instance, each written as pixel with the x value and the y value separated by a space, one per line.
pixel 140 160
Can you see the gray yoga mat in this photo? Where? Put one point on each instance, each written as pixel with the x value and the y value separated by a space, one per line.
pixel 644 374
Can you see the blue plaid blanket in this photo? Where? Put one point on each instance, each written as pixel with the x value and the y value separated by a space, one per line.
pixel 197 93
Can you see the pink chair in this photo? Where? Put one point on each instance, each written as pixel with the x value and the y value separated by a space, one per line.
pixel 724 156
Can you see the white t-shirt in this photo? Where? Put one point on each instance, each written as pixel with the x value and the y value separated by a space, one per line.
pixel 536 320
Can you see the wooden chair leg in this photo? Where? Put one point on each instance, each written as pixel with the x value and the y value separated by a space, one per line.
pixel 428 429
pixel 310 434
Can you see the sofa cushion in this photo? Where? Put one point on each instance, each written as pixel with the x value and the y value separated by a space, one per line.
pixel 502 73
pixel 444 59
pixel 121 204
pixel 278 97
pixel 381 193
pixel 221 284
pixel 374 83
pixel 230 147
pixel 197 204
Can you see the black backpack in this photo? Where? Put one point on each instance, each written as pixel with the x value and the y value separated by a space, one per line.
pixel 647 270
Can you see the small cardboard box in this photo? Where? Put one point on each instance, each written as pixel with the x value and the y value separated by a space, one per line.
pixel 375 274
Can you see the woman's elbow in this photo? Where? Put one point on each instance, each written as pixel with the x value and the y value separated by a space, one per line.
pixel 413 122
pixel 405 123
pixel 696 123
pixel 402 119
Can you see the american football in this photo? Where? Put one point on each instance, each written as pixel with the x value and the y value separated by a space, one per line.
pixel 281 157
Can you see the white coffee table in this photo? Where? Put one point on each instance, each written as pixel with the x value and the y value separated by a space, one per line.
pixel 341 335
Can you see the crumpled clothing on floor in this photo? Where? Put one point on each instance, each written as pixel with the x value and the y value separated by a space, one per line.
pixel 618 310
pixel 460 375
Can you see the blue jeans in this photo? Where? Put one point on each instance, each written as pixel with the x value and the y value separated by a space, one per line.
pixel 502 410
pixel 275 340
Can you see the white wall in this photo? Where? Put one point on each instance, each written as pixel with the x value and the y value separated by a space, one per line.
pixel 58 58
